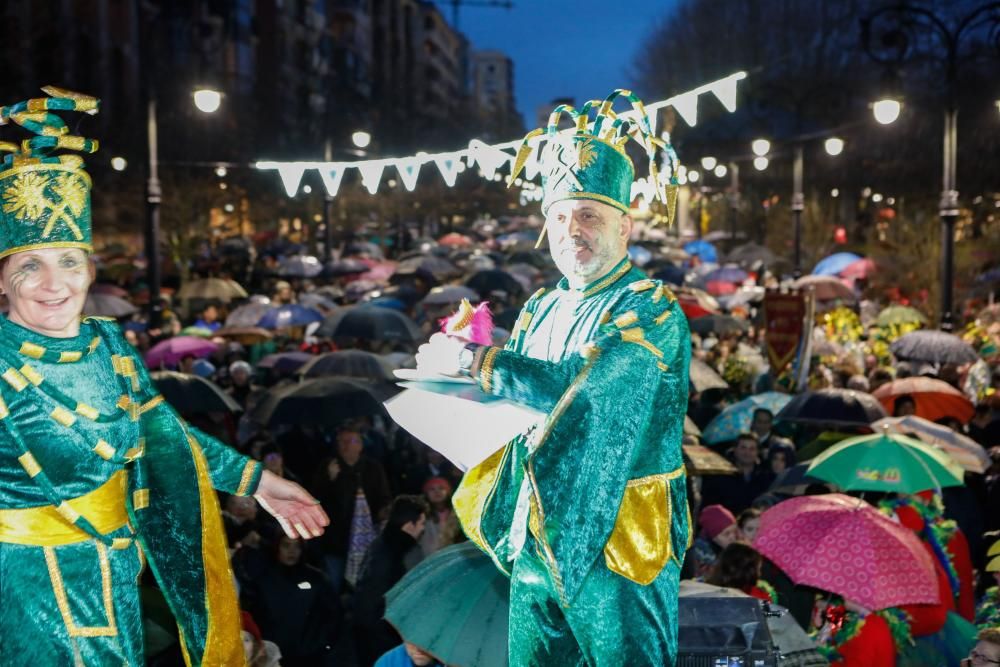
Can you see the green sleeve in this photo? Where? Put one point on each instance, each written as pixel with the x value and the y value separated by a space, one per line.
pixel 532 382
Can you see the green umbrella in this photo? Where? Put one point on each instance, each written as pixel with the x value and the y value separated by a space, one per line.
pixel 896 315
pixel 466 625
pixel 886 462
pixel 200 332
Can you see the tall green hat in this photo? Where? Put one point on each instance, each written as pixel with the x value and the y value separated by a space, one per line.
pixel 45 198
pixel 590 161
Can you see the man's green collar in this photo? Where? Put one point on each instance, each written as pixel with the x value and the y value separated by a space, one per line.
pixel 604 282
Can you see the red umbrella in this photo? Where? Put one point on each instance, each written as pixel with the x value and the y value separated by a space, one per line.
pixel 845 546
pixel 172 350
pixel 455 239
pixel 720 287
pixel 826 288
pixel 934 398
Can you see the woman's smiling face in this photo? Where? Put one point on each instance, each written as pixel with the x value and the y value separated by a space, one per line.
pixel 47 288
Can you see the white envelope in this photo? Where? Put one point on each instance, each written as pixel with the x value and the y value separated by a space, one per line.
pixel 461 422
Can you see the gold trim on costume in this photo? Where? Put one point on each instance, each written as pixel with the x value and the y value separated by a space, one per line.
pixel 34 377
pixel 608 280
pixel 87 411
pixel 642 285
pixel 31 350
pixel 70 356
pixel 62 600
pixel 15 379
pixel 140 499
pixel 104 450
pixel 150 404
pixel 641 543
pixel 54 244
pixel 248 470
pixel 47 526
pixel 486 369
pixel 662 317
pixel 62 416
pixel 473 496
pixel 30 464
pixel 4 410
pixel 626 319
pixel 636 336
pixel 604 199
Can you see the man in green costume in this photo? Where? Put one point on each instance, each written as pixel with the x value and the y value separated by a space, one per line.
pixel 588 512
pixel 98 475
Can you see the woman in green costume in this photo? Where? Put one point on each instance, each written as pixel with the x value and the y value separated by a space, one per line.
pixel 98 475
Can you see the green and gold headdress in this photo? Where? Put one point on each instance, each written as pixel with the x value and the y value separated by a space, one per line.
pixel 590 162
pixel 45 198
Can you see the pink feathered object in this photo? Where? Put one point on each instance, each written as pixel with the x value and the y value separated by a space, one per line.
pixel 473 324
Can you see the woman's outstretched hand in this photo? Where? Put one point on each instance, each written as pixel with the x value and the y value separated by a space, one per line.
pixel 298 513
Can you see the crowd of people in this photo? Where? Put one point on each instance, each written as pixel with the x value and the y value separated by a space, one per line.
pixel 388 495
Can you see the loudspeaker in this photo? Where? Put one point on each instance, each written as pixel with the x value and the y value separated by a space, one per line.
pixel 724 632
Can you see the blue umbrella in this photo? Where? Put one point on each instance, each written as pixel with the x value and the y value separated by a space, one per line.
pixel 738 417
pixel 671 274
pixel 289 315
pixel 640 256
pixel 703 250
pixel 726 274
pixel 835 263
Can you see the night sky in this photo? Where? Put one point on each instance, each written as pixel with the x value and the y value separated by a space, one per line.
pixel 582 49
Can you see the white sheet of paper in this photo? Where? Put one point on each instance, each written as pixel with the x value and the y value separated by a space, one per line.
pixel 464 431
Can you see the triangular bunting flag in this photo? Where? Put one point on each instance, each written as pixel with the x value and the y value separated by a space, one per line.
pixel 409 170
pixel 333 174
pixel 725 90
pixel 447 164
pixel 291 176
pixel 371 174
pixel 686 105
pixel 489 158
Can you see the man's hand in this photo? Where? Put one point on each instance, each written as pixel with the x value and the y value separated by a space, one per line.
pixel 441 355
pixel 333 470
pixel 297 512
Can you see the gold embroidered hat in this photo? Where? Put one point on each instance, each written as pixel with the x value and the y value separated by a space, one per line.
pixel 45 198
pixel 590 162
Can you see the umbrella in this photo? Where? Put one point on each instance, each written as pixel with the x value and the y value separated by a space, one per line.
pixel 936 347
pixel 726 274
pixel 245 335
pixel 737 418
pixel 299 266
pixel 107 305
pixel 934 398
pixel 350 363
pixel 989 315
pixel 200 332
pixel 289 315
pixel 826 288
pixel 106 288
pixel 886 462
pixel 449 294
pixel 345 267
pixel 896 315
pixel 317 301
pixel 324 401
pixel 839 407
pixel 703 377
pixel 720 288
pixel 703 250
pixel 380 272
pixel 751 253
pixel 845 546
pixel 455 240
pixel 703 461
pixel 364 248
pixel 835 263
pixel 720 324
pixel 212 289
pixel 673 275
pixel 370 323
pixel 468 622
pixel 436 267
pixel 485 282
pixel 247 315
pixel 172 350
pixel 690 428
pixel 822 442
pixel 861 268
pixel 285 363
pixel 191 394
pixel 964 450
pixel 794 480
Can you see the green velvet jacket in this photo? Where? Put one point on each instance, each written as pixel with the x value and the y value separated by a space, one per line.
pixel 80 418
pixel 602 481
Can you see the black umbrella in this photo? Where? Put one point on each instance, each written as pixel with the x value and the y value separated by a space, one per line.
pixel 370 323
pixel 703 377
pixel 671 274
pixel 720 324
pixel 794 480
pixel 192 394
pixel 936 347
pixel 749 253
pixel 834 407
pixel 537 258
pixel 344 267
pixel 285 363
pixel 322 401
pixel 350 363
pixel 107 305
pixel 431 265
pixel 495 280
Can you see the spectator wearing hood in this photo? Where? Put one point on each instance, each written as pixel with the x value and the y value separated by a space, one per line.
pixel 718 530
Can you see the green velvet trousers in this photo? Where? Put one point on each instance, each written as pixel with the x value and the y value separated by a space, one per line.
pixel 612 621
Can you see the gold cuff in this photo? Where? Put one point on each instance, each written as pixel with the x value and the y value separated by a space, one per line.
pixel 486 369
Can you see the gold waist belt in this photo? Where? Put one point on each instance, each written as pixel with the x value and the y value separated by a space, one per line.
pixel 43 526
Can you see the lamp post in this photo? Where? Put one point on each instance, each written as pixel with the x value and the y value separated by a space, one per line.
pixel 892 48
pixel 798 204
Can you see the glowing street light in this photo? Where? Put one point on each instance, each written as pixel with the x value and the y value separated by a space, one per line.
pixel 720 170
pixel 118 163
pixel 760 147
pixel 708 163
pixel 221 171
pixel 693 176
pixel 886 110
pixel 760 163
pixel 207 100
pixel 834 146
pixel 361 139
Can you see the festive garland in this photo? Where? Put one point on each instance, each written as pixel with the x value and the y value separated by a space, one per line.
pixel 938 531
pixel 847 626
pixel 988 609
pixel 769 590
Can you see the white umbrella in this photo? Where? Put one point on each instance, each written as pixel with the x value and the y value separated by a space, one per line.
pixel 964 450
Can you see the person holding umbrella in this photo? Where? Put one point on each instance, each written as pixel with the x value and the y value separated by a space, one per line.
pixel 589 511
pixel 101 476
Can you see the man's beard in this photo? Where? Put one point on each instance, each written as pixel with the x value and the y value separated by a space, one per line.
pixel 569 265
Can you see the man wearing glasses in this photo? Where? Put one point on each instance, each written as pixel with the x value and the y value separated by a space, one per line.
pixel 986 652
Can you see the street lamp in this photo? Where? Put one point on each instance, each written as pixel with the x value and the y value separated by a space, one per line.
pixel 834 146
pixel 886 110
pixel 207 100
pixel 720 170
pixel 693 176
pixel 760 163
pixel 760 147
pixel 118 163
pixel 361 139
pixel 893 46
pixel 708 163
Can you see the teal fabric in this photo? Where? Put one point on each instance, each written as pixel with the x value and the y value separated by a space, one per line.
pixel 624 422
pixel 169 530
pixel 584 167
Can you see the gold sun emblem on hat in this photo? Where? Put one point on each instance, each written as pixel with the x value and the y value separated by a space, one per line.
pixel 586 154
pixel 25 197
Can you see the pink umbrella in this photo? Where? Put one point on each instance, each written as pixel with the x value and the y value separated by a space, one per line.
pixel 379 272
pixel 862 268
pixel 172 350
pixel 845 546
